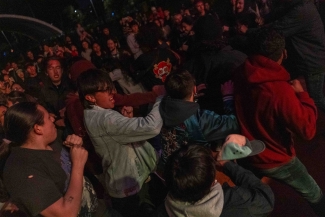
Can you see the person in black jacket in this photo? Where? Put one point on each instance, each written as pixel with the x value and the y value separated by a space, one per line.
pixel 193 190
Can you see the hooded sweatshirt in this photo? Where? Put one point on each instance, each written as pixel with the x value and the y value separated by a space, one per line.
pixel 185 123
pixel 210 205
pixel 268 109
pixel 249 198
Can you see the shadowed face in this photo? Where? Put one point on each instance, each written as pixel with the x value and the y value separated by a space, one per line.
pixel 240 6
pixel 54 71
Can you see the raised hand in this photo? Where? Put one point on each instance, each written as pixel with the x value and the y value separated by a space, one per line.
pixel 227 88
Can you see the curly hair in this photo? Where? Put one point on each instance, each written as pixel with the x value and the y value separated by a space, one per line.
pixel 268 42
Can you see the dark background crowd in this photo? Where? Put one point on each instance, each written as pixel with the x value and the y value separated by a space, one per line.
pixel 141 49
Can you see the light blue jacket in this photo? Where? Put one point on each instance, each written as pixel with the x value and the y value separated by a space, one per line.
pixel 127 158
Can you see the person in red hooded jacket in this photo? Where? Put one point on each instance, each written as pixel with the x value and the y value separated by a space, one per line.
pixel 272 108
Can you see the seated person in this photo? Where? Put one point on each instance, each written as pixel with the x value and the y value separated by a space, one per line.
pixel 39 174
pixel 193 190
pixel 185 122
pixel 120 140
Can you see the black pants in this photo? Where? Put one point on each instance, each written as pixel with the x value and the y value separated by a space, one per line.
pixel 142 204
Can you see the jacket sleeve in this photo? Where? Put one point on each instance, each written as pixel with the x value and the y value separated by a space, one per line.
pixel 293 21
pixel 127 130
pixel 215 126
pixel 249 194
pixel 135 99
pixel 298 113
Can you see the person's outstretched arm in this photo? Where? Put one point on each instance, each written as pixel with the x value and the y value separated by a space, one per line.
pixel 249 195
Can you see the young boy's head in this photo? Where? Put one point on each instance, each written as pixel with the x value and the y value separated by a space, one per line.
pixel 180 85
pixel 189 173
pixel 269 43
pixel 96 88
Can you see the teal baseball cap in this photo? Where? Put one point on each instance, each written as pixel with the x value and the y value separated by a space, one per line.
pixel 237 146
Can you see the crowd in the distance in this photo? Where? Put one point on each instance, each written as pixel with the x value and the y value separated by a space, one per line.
pixel 138 123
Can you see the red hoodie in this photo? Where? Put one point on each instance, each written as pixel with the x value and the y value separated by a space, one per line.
pixel 268 109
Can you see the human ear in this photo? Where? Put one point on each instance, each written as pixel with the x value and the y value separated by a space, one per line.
pixel 285 54
pixel 37 129
pixel 90 98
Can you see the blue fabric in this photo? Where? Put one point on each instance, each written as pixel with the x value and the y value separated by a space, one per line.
pixel 296 175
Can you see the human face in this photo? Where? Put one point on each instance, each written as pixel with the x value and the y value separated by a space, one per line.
pixel 111 45
pixel 21 75
pixel 54 71
pixel 46 48
pixel 30 55
pixel 187 12
pixel 85 45
pixel 48 128
pixel 178 19
pixel 96 47
pixel 157 23
pixel 106 31
pixel 240 6
pixel 154 10
pixel 14 65
pixel 166 13
pixel 135 28
pixel 31 71
pixel 6 78
pixel 186 28
pixel 2 85
pixel 200 7
pixel 17 87
pixel 104 99
pixel 207 6
pixel 3 110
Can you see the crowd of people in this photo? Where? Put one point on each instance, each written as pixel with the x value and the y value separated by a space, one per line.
pixel 138 124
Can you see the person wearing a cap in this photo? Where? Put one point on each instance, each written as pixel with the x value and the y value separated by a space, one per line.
pixel 272 108
pixel 190 176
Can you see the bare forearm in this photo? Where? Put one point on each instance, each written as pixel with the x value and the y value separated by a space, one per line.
pixel 69 204
pixel 72 198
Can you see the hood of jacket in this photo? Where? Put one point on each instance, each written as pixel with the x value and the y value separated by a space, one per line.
pixel 210 205
pixel 259 69
pixel 175 111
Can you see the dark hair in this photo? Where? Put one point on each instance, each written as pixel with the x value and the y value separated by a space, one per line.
pixel 179 85
pixel 3 99
pixel 133 23
pixel 47 60
pixel 198 1
pixel 188 20
pixel 114 39
pixel 20 120
pixel 148 37
pixel 267 42
pixel 91 81
pixel 189 173
pixel 16 96
pixel 96 42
